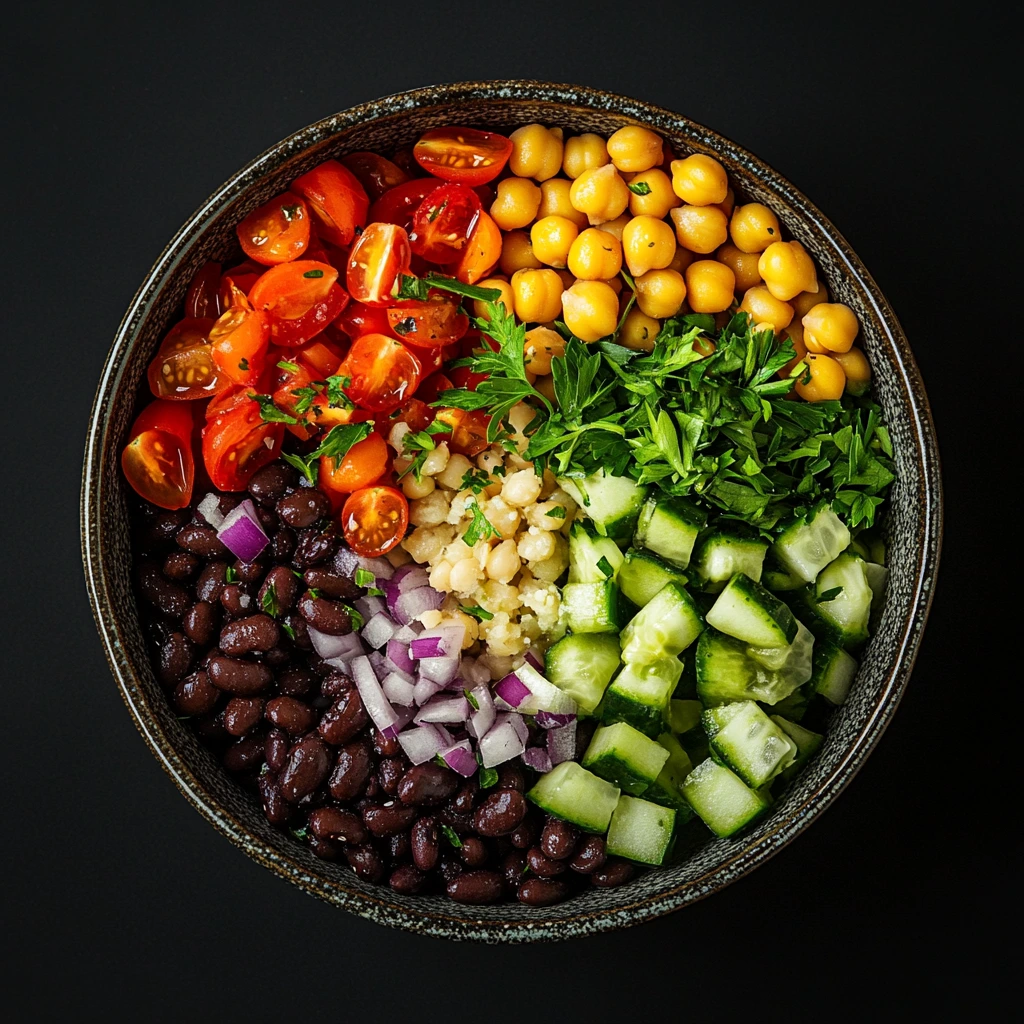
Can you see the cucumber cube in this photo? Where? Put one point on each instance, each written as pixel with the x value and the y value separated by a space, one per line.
pixel 582 664
pixel 666 789
pixel 807 743
pixel 721 798
pixel 806 547
pixel 749 742
pixel 640 830
pixel 745 610
pixel 639 695
pixel 663 628
pixel 591 607
pixel 625 757
pixel 642 575
pixel 832 672
pixel 669 527
pixel 575 795
pixel 719 556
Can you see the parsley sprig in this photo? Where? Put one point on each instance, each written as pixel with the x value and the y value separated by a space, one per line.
pixel 335 445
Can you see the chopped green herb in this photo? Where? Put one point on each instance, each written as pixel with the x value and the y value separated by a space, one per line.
pixel 474 480
pixel 290 210
pixel 302 834
pixel 408 287
pixel 230 575
pixel 355 616
pixel 480 528
pixel 406 326
pixel 606 567
pixel 474 703
pixel 243 365
pixel 365 578
pixel 639 188
pixel 309 468
pixel 289 632
pixel 436 211
pixel 478 613
pixel 336 397
pixel 488 777
pixel 313 273
pixel 269 412
pixel 289 366
pixel 452 836
pixel 306 397
pixel 558 512
pixel 314 593
pixel 269 600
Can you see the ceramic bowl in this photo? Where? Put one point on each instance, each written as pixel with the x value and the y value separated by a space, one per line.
pixel 914 520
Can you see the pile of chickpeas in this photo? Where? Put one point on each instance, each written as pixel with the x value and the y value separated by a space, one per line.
pixel 575 212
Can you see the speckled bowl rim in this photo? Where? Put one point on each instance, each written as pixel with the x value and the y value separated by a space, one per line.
pixel 529 924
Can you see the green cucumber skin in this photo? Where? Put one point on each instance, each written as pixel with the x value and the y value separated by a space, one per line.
pixel 618 773
pixel 619 708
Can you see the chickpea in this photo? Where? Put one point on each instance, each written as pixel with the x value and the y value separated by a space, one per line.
pixel 617 226
pixel 465 575
pixel 503 562
pixel 601 194
pixel 517 254
pixel 754 227
pixel 503 516
pixel 651 193
pixel 537 295
pixel 452 474
pixel 584 153
pixel 435 460
pixel 647 244
pixel 615 283
pixel 536 152
pixel 639 331
pixel 857 369
pixel 551 239
pixel 595 255
pixel 765 308
pixel 554 202
pixel 440 576
pixel 833 325
pixel 413 488
pixel 516 203
pixel 431 510
pixel 728 204
pixel 710 286
pixel 742 264
pixel 522 488
pixel 471 626
pixel 490 460
pixel 546 387
pixel 699 180
pixel 682 259
pixel 787 270
pixel 535 545
pixel 827 380
pixel 803 303
pixel 633 148
pixel 660 293
pixel 700 229
pixel 590 310
pixel 540 346
pixel 538 516
pixel 424 543
pixel 480 308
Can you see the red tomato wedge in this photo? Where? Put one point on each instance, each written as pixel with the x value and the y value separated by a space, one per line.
pixel 469 429
pixel 275 232
pixel 374 520
pixel 398 204
pixel 359 318
pixel 300 298
pixel 238 344
pixel 430 324
pixel 183 368
pixel 376 260
pixel 336 199
pixel 482 251
pixel 202 300
pixel 363 464
pixel 157 461
pixel 443 223
pixel 383 373
pixel 236 443
pixel 465 155
pixel 375 173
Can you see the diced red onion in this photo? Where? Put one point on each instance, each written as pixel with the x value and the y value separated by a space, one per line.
pixel 545 696
pixel 439 670
pixel 332 648
pixel 561 743
pixel 440 642
pixel 504 740
pixel 474 673
pixel 422 742
pixel 346 561
pixel 531 659
pixel 550 720
pixel 406 634
pixel 379 663
pixel 537 758
pixel 381 713
pixel 241 532
pixel 398 655
pixel 371 605
pixel 425 689
pixel 412 604
pixel 460 758
pixel 512 690
pixel 378 630
pixel 399 689
pixel 209 509
pixel 482 718
pixel 404 717
pixel 449 710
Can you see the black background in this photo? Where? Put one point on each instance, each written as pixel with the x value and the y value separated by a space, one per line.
pixel 119 896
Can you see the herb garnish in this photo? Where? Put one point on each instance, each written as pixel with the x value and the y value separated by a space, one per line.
pixel 479 612
pixel 480 528
pixel 451 835
pixel 286 364
pixel 488 778
pixel 230 576
pixel 335 445
pixel 475 480
pixel 313 273
pixel 558 512
pixel 269 601
pixel 639 188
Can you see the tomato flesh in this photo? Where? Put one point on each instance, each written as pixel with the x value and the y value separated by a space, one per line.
pixel 428 324
pixel 237 443
pixel 276 232
pixel 375 173
pixel 398 204
pixel 374 520
pixel 469 430
pixel 381 254
pixel 183 368
pixel 337 201
pixel 465 155
pixel 443 223
pixel 359 318
pixel 363 464
pixel 482 251
pixel 383 372
pixel 300 299
pixel 202 300
pixel 157 461
pixel 238 344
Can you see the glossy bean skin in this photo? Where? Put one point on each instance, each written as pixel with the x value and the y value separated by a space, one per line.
pixel 589 855
pixel 500 813
pixel 325 849
pixel 473 852
pixel 426 785
pixel 295 681
pixel 335 684
pixel 282 545
pixel 200 540
pixel 243 678
pixel 342 826
pixel 527 832
pixel 389 774
pixel 201 622
pixel 542 892
pixel 170 599
pixel 302 508
pixel 272 482
pixel 331 584
pixel 195 695
pixel 211 582
pixel 254 634
pixel 613 872
pixel 244 754
pixel 476 887
pixel 513 865
pixel 281 587
pixel 242 714
pixel 291 715
pixel 398 847
pixel 558 839
pixel 382 820
pixel 298 632
pixel 176 654
pixel 366 862
pixel 425 844
pixel 384 746
pixel 408 880
pixel 249 572
pixel 543 867
pixel 312 547
pixel 275 749
pixel 157 530
pixel 180 566
pixel 236 601
pixel 325 615
pixel 344 718
pixel 275 807
pixel 352 770
pixel 306 767
pixel 510 776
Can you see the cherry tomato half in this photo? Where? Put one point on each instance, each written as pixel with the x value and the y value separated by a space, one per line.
pixel 374 520
pixel 202 301
pixel 398 204
pixel 432 386
pixel 275 232
pixel 465 155
pixel 375 173
pixel 238 281
pixel 322 357
pixel 358 318
pixel 428 324
pixel 363 464
pixel 238 344
pixel 481 252
pixel 183 367
pixel 376 260
pixel 336 199
pixel 383 372
pixel 469 429
pixel 413 411
pixel 237 443
pixel 157 461
pixel 301 298
pixel 444 222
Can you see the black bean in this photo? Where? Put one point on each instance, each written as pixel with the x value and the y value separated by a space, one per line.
pixel 279 590
pixel 303 508
pixel 335 684
pixel 312 547
pixel 298 632
pixel 613 872
pixel 450 868
pixel 475 887
pixel 474 852
pixel 398 847
pixel 383 820
pixel 306 768
pixel 157 531
pixel 542 892
pixel 249 572
pixel 211 728
pixel 295 681
pixel 176 654
pixel 291 715
pixel 543 866
pixel 510 776
pixel 180 566
pixel 385 746
pixel 589 855
pixel 352 770
pixel 407 880
pixel 282 544
pixel 527 832
pixel 366 862
pixel 325 615
pixel 500 813
pixel 277 657
pixel 244 678
pixel 252 635
pixel 244 754
pixel 273 481
pixel 200 623
pixel 558 839
pixel 342 826
pixel 200 540
pixel 241 714
pixel 389 773
pixel 466 797
pixel 275 807
pixel 426 785
pixel 275 750
pixel 331 584
pixel 195 695
pixel 236 600
pixel 325 849
pixel 513 864
pixel 344 718
pixel 211 581
pixel 424 844
pixel 170 599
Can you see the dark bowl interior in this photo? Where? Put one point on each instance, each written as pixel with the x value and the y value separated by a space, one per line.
pixel 914 520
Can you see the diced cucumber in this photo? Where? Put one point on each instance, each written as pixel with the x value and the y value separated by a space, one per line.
pixel 806 547
pixel 582 664
pixel 876 576
pixel 832 672
pixel 612 502
pixel 639 694
pixel 663 628
pixel 722 799
pixel 776 579
pixel 807 743
pixel 794 707
pixel 625 757
pixel 666 788
pixel 843 616
pixel 669 527
pixel 683 715
pixel 642 575
pixel 591 607
pixel 592 558
pixel 749 742
pixel 573 794
pixel 719 556
pixel 726 670
pixel 640 830
pixel 748 612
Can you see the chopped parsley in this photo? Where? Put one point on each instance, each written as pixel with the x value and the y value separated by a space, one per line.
pixel 451 835
pixel 336 397
pixel 243 365
pixel 288 630
pixel 474 480
pixel 365 578
pixel 606 567
pixel 474 703
pixel 313 273
pixel 408 287
pixel 355 616
pixel 479 612
pixel 289 366
pixel 230 576
pixel 269 412
pixel 335 445
pixel 829 595
pixel 488 778
pixel 558 512
pixel 269 601
pixel 480 528
pixel 639 188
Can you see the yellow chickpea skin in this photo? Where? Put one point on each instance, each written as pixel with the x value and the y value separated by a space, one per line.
pixel 516 203
pixel 742 264
pixel 787 270
pixel 647 244
pixel 699 180
pixel 764 308
pixel 616 227
pixel 596 255
pixel 754 227
pixel 660 293
pixel 682 259
pixel 728 204
pixel 537 295
pixel 584 153
pixel 639 331
pixel 555 202
pixel 857 369
pixel 805 301
pixel 551 239
pixel 600 193
pixel 827 380
pixel 701 229
pixel 507 299
pixel 590 310
pixel 650 193
pixel 832 325
pixel 536 152
pixel 710 286
pixel 540 346
pixel 635 149
pixel 517 253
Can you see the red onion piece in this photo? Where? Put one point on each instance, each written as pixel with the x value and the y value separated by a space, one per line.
pixel 378 630
pixel 369 606
pixel 504 740
pixel 425 689
pixel 460 758
pixel 346 561
pixel 512 690
pixel 422 742
pixel 332 648
pixel 544 695
pixel 447 710
pixel 482 718
pixel 406 634
pixel 399 689
pixel 379 663
pixel 404 717
pixel 531 659
pixel 241 532
pixel 398 655
pixel 561 743
pixel 209 509
pixel 550 720
pixel 440 642
pixel 381 713
pixel 537 758
pixel 474 673
pixel 412 604
pixel 439 670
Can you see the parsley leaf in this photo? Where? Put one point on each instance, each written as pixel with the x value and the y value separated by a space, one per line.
pixel 829 595
pixel 336 397
pixel 451 835
pixel 639 188
pixel 269 412
pixel 291 367
pixel 488 777
pixel 478 612
pixel 364 578
pixel 269 601
pixel 475 480
pixel 473 702
pixel 230 576
pixel 480 528
pixel 606 567
pixel 558 512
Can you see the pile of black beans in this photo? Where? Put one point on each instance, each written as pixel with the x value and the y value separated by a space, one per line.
pixel 232 650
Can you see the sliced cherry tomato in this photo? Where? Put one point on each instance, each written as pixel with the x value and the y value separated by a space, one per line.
pixel 183 368
pixel 236 443
pixel 432 359
pixel 383 372
pixel 415 412
pixel 358 318
pixel 398 204
pixel 464 377
pixel 374 520
pixel 432 386
pixel 336 199
pixel 202 300
pixel 381 254
pixel 482 251
pixel 322 356
pixel 363 464
pixel 469 429
pixel 157 461
pixel 238 281
pixel 238 342
pixel 275 232
pixel 301 298
pixel 465 155
pixel 226 399
pixel 428 324
pixel 443 223
pixel 375 173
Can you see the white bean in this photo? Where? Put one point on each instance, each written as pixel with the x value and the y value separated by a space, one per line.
pixel 522 488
